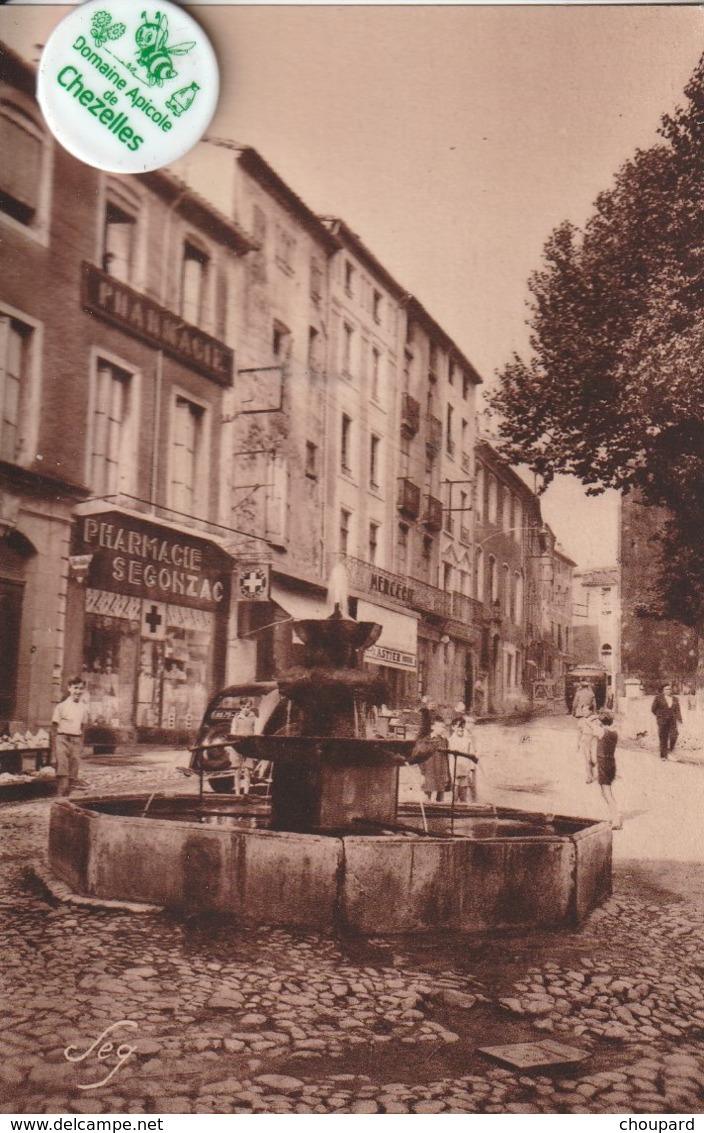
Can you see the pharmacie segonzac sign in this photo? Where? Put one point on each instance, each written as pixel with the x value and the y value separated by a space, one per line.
pixel 133 556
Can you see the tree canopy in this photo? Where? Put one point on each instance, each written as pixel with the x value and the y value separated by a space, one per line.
pixel 613 389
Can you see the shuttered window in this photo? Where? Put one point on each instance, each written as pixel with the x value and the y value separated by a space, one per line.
pixel 111 467
pixel 21 143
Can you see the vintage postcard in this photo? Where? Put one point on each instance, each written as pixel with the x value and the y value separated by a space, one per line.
pixel 351 720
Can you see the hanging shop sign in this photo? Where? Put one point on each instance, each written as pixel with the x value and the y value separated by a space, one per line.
pixel 103 295
pixel 253 582
pixel 134 557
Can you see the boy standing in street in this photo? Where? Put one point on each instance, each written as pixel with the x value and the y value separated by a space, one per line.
pixel 67 726
pixel 607 739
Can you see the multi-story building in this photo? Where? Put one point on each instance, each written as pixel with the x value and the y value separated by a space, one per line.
pixel 434 536
pixel 596 613
pixel 363 453
pixel 510 583
pixel 378 368
pixel 116 355
pixel 556 581
pixel 143 465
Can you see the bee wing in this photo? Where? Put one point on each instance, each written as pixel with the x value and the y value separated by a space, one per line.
pixel 181 48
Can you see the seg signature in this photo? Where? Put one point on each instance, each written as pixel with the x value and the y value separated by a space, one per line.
pixel 106 1049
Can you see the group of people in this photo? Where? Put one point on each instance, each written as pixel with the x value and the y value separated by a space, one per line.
pixel 597 745
pixel 598 738
pixel 449 755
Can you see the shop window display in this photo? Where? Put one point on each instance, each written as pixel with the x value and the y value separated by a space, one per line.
pixel 187 664
pixel 151 683
pixel 109 660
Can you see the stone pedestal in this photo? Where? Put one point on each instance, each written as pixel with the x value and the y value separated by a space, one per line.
pixel 318 795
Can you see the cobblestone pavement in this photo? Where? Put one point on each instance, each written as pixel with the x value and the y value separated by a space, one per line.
pixel 230 1020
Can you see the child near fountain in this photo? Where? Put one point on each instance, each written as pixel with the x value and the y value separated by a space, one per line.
pixel 462 749
pixel 606 741
pixel 435 766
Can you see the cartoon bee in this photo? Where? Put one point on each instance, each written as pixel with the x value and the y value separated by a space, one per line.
pixel 154 51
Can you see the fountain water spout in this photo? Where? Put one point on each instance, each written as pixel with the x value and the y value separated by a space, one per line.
pixel 338 588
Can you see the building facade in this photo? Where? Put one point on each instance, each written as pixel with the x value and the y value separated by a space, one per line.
pixel 221 413
pixel 114 372
pixel 597 620
pixel 508 558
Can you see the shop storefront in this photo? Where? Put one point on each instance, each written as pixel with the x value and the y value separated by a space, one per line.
pixel 154 624
pixel 396 651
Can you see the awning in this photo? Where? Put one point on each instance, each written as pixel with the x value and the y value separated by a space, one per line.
pixel 299 606
pixel 397 646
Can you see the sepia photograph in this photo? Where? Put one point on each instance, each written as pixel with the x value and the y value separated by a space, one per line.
pixel 351 561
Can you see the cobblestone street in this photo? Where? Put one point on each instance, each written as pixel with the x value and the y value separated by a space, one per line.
pixel 237 1021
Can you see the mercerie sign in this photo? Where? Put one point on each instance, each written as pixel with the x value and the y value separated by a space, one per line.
pixel 391 588
pixel 133 556
pixel 141 317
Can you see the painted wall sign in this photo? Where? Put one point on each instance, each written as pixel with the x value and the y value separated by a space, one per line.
pixel 382 584
pixel 395 658
pixel 107 297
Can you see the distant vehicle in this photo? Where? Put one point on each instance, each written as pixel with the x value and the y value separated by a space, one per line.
pixel 597 677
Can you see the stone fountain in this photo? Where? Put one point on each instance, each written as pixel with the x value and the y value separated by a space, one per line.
pixel 331 854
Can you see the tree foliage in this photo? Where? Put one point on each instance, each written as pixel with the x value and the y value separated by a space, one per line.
pixel 613 389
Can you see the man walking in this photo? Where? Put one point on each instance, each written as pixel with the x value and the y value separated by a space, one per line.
pixel 668 714
pixel 584 703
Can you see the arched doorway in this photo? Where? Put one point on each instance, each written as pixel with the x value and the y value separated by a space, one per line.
pixel 15 549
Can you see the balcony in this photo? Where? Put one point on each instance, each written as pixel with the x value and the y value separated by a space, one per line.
pixel 466 609
pixel 410 415
pixel 408 501
pixel 432 514
pixel 433 436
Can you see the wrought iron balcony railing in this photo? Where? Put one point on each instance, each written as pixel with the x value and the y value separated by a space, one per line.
pixel 432 513
pixel 408 501
pixel 410 415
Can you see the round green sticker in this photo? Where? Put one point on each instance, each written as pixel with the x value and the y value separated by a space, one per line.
pixel 128 88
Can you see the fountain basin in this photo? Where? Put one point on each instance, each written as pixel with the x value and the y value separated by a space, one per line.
pixel 509 869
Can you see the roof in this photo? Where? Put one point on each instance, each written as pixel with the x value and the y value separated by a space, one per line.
pixel 195 208
pixel 417 311
pixel 17 72
pixel 347 237
pixel 561 553
pixel 253 163
pixel 487 452
pixel 598 576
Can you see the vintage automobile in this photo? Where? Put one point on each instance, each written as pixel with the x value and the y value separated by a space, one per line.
pixel 245 709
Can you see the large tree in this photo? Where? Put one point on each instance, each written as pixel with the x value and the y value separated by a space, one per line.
pixel 613 388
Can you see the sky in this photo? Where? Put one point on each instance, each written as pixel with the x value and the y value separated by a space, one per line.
pixel 452 139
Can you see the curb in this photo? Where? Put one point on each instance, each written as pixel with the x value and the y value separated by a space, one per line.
pixel 61 892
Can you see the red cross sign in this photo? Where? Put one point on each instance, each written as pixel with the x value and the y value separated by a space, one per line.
pixel 253 585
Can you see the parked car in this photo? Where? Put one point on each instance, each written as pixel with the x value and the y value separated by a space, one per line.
pixel 245 709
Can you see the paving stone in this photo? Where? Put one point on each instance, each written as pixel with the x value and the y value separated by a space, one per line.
pixel 282 1083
